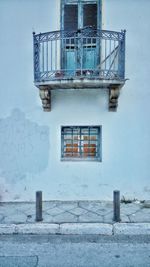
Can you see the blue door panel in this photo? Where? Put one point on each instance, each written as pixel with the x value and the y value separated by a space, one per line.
pixel 89 58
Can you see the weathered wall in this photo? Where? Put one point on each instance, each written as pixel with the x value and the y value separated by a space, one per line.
pixel 30 139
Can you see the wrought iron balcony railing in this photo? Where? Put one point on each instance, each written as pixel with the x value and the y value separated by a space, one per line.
pixel 87 53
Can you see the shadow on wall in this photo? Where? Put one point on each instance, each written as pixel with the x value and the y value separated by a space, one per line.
pixel 24 147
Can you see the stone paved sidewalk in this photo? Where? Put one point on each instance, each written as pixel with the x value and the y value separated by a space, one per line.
pixel 73 212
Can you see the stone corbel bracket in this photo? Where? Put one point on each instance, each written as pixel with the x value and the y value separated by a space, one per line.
pixel 45 95
pixel 113 98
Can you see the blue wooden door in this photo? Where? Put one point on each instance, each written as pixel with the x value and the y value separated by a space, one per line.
pixel 69 49
pixel 90 45
pixel 80 48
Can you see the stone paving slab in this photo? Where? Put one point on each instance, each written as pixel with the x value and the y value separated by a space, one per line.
pixel 74 211
pixel 91 217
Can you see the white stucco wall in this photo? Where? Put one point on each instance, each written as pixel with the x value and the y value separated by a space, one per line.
pixel 30 140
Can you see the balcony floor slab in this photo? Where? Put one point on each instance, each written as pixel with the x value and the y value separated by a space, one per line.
pixel 82 83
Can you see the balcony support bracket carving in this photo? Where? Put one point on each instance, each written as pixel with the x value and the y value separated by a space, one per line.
pixel 45 95
pixel 113 98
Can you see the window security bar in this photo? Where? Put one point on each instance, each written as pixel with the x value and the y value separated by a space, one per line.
pixel 81 143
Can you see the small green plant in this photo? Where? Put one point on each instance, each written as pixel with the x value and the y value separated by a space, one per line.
pixel 127 200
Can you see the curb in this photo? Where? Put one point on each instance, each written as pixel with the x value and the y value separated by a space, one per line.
pixel 77 229
pixel 86 228
pixel 131 229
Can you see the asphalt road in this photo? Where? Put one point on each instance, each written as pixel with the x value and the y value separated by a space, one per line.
pixel 74 251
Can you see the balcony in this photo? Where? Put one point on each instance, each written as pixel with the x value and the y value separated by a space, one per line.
pixel 88 58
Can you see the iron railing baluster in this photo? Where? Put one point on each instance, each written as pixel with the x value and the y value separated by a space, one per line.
pixel 82 44
pixel 105 53
pixel 43 57
pixel 51 55
pixel 55 54
pixel 47 59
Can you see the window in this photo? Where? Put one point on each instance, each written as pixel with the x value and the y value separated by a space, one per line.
pixel 78 14
pixel 81 143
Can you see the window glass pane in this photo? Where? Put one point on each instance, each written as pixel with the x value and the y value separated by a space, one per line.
pixel 70 17
pixel 90 15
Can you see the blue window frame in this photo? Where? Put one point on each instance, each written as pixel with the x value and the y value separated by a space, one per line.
pixel 81 143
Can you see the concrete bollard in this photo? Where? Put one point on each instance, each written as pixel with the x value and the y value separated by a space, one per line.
pixel 116 205
pixel 39 206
